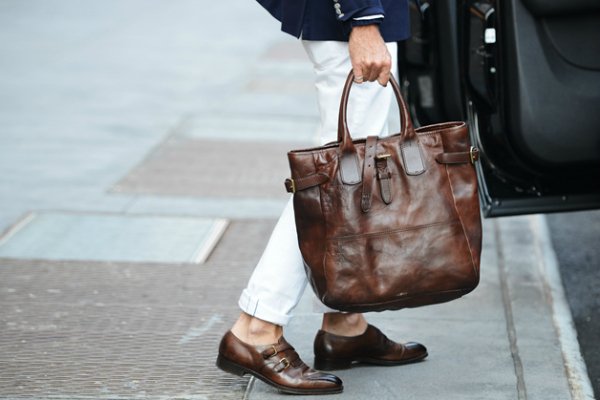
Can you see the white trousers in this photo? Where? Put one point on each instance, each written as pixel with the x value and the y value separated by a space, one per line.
pixel 279 279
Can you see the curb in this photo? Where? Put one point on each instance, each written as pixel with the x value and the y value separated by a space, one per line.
pixel 575 367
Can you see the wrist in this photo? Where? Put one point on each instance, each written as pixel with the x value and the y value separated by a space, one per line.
pixel 364 30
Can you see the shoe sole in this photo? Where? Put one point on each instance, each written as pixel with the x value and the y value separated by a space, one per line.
pixel 324 364
pixel 229 366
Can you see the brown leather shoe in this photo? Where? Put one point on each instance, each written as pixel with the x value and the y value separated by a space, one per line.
pixel 277 365
pixel 372 347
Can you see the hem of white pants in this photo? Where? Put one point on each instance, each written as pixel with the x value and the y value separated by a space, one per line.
pixel 252 306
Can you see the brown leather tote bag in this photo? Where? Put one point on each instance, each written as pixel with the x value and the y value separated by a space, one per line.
pixel 392 222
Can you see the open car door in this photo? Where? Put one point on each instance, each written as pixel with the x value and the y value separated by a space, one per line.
pixel 525 74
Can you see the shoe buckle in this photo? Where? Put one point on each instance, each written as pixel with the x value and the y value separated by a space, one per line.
pixel 272 354
pixel 285 363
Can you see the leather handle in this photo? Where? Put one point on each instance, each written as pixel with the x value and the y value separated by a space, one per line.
pixel 344 138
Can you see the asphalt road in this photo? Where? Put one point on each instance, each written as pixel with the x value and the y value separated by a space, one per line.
pixel 576 239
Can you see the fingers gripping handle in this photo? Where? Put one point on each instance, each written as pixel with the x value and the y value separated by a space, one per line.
pixel 344 138
pixel 349 164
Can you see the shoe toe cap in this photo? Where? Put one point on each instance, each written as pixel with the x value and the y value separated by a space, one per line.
pixel 414 349
pixel 325 380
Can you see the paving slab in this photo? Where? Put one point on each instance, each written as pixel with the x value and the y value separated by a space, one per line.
pixel 211 168
pixel 252 127
pixel 218 207
pixel 111 237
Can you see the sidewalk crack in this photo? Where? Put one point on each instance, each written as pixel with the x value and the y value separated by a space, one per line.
pixel 508 313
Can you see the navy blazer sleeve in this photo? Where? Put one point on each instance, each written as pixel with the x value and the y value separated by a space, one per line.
pixel 333 19
pixel 358 8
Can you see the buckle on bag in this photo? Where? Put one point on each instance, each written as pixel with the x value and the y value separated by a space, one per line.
pixel 473 154
pixel 290 185
pixel 384 176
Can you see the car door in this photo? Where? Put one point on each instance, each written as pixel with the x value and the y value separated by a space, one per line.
pixel 525 74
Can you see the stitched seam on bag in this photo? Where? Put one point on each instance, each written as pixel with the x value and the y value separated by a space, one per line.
pixel 437 131
pixel 451 124
pixel 442 128
pixel 462 225
pixel 393 231
pixel 430 133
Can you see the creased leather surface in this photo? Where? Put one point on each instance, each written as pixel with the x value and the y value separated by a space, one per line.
pixel 421 248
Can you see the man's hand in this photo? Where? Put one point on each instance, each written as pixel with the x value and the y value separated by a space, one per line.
pixel 369 55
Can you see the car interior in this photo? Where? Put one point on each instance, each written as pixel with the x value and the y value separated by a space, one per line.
pixel 525 75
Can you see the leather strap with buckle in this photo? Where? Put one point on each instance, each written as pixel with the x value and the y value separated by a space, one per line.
pixel 384 176
pixel 462 157
pixel 293 185
pixel 275 349
pixel 285 362
pixel 368 173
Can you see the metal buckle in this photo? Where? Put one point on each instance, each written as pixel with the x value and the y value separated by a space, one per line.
pixel 274 351
pixel 290 185
pixel 293 185
pixel 265 355
pixel 285 363
pixel 472 152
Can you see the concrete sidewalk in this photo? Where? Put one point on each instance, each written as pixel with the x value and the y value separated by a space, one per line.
pixel 133 208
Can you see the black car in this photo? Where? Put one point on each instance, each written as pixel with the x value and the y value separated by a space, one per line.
pixel 525 74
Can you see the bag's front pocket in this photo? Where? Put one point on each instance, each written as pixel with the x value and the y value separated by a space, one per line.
pixel 387 267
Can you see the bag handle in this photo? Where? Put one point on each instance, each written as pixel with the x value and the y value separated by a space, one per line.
pixel 344 138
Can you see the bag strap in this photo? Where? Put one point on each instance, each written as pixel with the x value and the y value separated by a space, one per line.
pixel 384 176
pixel 368 172
pixel 461 157
pixel 294 185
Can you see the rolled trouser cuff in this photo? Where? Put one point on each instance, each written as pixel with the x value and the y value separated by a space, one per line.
pixel 252 305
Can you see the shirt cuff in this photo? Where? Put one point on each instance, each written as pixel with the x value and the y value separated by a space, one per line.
pixel 375 19
pixel 368 17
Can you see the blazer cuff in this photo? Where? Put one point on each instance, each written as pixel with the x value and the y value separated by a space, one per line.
pixel 349 9
pixel 369 17
pixel 362 22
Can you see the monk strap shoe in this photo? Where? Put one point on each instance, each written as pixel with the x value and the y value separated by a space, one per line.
pixel 372 347
pixel 278 365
